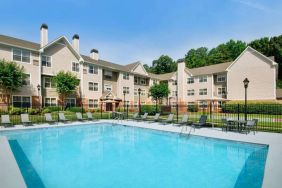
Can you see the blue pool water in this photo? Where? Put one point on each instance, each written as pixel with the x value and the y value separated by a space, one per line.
pixel 123 157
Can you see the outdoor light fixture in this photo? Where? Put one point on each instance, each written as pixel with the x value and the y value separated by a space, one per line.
pixel 246 83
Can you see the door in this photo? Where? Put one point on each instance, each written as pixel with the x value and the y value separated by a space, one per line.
pixel 109 107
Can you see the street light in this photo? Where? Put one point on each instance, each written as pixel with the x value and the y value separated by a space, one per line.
pixel 139 92
pixel 38 89
pixel 124 92
pixel 246 83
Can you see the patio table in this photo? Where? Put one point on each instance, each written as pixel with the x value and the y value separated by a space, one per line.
pixel 240 123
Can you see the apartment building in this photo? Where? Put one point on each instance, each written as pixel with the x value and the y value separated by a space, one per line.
pixel 108 85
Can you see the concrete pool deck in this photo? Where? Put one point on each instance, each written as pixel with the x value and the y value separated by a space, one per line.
pixel 273 167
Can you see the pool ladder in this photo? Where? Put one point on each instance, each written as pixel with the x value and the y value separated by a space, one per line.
pixel 182 130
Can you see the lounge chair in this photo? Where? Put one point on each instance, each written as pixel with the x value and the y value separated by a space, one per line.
pixel 156 118
pixel 250 125
pixel 90 116
pixel 62 117
pixel 184 120
pixel 5 120
pixel 25 120
pixel 79 116
pixel 143 117
pixel 169 119
pixel 48 118
pixel 202 121
pixel 134 117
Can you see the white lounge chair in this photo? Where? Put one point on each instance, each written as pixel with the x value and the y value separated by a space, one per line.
pixel 25 120
pixel 48 118
pixel 156 118
pixel 62 117
pixel 169 119
pixel 5 120
pixel 184 120
pixel 79 116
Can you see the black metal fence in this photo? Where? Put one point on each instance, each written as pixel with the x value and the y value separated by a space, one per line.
pixel 269 115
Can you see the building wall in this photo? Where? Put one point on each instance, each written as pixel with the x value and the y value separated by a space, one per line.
pixel 260 73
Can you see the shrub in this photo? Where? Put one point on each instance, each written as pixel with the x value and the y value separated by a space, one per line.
pixel 192 108
pixel 75 109
pixel 32 111
pixel 51 109
pixel 150 109
pixel 253 108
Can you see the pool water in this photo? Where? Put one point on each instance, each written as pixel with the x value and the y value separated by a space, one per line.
pixel 103 155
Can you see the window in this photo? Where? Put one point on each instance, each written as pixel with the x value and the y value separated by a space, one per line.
pixel 203 91
pixel 75 67
pixel 190 92
pixel 27 80
pixel 220 104
pixel 107 87
pixel 48 83
pixel 174 93
pixel 108 74
pixel 135 80
pixel 203 79
pixel 143 92
pixel 126 90
pixel 45 61
pixel 92 86
pixel 221 91
pixel 142 81
pixel 221 78
pixel 174 82
pixel 22 101
pixel 135 92
pixel 21 55
pixel 203 104
pixel 70 102
pixel 92 69
pixel 190 80
pixel 93 103
pixel 126 76
pixel 50 101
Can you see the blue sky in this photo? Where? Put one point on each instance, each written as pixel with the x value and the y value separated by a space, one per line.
pixel 129 30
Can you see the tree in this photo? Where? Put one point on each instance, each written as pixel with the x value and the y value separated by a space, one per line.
pixel 164 64
pixel 196 57
pixel 226 52
pixel 66 84
pixel 262 45
pixel 12 77
pixel 159 91
pixel 147 68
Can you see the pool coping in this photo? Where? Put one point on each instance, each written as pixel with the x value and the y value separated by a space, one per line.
pixel 273 169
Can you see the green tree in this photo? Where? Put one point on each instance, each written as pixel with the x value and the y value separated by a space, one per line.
pixel 159 91
pixel 226 52
pixel 147 68
pixel 164 64
pixel 196 57
pixel 12 77
pixel 66 84
pixel 262 45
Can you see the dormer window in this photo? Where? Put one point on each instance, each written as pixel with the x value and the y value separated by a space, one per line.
pixel 75 67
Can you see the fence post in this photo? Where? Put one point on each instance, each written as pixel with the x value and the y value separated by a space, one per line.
pixel 127 111
pixel 238 110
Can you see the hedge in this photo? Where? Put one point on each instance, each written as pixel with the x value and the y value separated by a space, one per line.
pixel 255 108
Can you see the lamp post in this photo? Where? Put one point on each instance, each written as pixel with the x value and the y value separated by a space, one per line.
pixel 139 92
pixel 39 96
pixel 124 92
pixel 246 83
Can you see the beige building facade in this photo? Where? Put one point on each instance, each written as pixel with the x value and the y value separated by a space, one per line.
pixel 105 84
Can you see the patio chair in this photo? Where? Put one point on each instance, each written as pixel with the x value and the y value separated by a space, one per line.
pixel 90 116
pixel 48 118
pixel 143 117
pixel 62 117
pixel 227 125
pixel 202 121
pixel 251 125
pixel 169 119
pixel 184 120
pixel 5 120
pixel 79 116
pixel 25 120
pixel 156 118
pixel 134 117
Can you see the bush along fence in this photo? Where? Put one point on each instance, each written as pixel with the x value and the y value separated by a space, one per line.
pixel 269 115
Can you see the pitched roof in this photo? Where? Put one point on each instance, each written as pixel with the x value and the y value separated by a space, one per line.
pixel 210 69
pixel 19 42
pixel 166 76
pixel 131 66
pixel 279 93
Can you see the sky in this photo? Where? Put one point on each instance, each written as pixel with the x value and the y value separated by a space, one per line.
pixel 125 31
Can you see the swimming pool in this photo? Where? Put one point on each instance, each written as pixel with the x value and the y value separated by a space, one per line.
pixel 103 155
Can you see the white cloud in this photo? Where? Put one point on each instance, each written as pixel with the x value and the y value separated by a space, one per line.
pixel 256 4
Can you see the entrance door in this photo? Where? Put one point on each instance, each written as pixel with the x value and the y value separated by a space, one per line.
pixel 109 107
